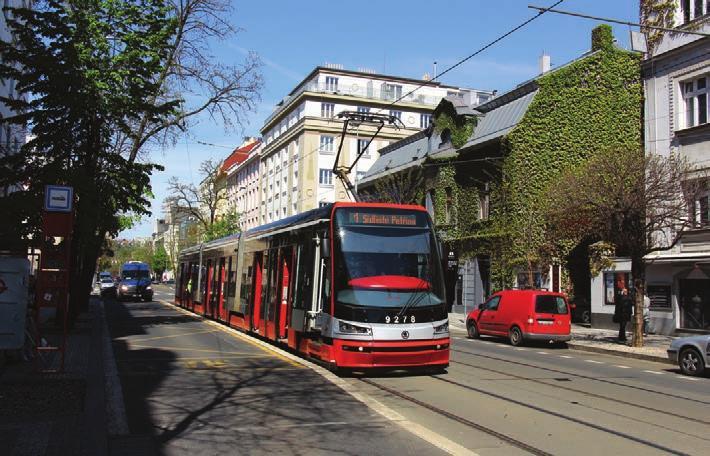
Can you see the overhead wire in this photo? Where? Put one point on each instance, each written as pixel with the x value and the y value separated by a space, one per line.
pixel 451 68
pixel 470 56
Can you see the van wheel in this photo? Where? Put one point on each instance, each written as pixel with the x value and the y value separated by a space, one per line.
pixel 472 328
pixel 515 336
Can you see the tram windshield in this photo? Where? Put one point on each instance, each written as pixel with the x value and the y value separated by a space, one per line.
pixel 386 258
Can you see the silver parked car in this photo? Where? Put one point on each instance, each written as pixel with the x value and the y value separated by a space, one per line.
pixel 691 353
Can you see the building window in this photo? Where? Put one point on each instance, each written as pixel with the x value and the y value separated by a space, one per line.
pixel 331 84
pixel 449 205
pixel 396 114
pixel 693 9
pixel 695 101
pixel 327 110
pixel 483 204
pixel 424 120
pixel 363 109
pixel 325 177
pixel 700 211
pixel 391 91
pixel 327 144
pixel 361 144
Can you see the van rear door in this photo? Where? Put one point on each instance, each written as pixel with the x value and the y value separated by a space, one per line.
pixel 551 315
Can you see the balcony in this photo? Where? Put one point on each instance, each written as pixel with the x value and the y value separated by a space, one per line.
pixel 358 91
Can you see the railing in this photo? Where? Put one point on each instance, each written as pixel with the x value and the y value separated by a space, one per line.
pixel 360 91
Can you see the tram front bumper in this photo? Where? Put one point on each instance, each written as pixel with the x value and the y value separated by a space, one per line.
pixel 352 353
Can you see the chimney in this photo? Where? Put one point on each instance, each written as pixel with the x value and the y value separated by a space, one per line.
pixel 544 63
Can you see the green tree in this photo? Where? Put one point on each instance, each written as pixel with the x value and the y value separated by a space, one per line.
pixel 223 226
pixel 87 68
pixel 159 262
pixel 102 80
pixel 638 203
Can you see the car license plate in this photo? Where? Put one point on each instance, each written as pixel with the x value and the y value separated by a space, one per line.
pixel 545 322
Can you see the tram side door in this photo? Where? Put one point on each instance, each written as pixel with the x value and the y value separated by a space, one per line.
pixel 221 314
pixel 206 301
pixel 271 293
pixel 283 295
pixel 255 304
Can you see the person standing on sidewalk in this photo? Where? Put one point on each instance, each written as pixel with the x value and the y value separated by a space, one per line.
pixel 622 305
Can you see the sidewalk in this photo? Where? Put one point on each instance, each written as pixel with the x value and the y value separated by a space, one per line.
pixel 602 341
pixel 58 413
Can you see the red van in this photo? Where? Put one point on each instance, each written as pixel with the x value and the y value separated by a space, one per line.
pixel 522 315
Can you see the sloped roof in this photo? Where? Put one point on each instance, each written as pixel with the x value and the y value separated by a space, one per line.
pixel 399 155
pixel 238 155
pixel 500 120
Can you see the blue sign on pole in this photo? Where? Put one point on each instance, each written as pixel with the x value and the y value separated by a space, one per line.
pixel 58 198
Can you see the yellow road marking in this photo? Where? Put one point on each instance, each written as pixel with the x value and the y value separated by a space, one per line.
pixel 138 359
pixel 203 331
pixel 234 332
pixel 200 350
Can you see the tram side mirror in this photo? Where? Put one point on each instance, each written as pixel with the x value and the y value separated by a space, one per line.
pixel 325 247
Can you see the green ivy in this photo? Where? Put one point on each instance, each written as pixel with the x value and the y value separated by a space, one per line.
pixel 460 127
pixel 464 205
pixel 657 13
pixel 602 38
pixel 591 105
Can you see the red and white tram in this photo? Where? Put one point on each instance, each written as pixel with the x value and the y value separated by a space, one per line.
pixel 355 285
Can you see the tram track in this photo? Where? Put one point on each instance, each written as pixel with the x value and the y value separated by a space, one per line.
pixel 466 422
pixel 582 392
pixel 586 377
pixel 563 416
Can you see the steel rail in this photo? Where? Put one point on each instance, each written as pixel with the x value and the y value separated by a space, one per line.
pixel 506 438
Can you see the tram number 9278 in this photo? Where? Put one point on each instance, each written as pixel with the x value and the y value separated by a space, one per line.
pixel 399 319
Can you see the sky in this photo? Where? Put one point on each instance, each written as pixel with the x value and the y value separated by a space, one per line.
pixel 394 37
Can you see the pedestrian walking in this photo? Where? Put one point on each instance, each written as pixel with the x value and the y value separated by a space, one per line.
pixel 622 305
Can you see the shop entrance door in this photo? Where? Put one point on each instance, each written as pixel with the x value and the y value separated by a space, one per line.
pixel 694 303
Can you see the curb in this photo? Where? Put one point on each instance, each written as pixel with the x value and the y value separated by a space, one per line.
pixel 589 348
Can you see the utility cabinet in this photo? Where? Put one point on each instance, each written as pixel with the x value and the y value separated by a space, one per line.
pixel 14 277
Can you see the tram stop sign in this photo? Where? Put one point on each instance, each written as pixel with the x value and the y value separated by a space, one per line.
pixel 58 198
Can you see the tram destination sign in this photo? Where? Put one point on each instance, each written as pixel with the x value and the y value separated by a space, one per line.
pixel 379 218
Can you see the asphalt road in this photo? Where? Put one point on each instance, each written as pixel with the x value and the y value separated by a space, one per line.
pixel 192 388
pixel 498 399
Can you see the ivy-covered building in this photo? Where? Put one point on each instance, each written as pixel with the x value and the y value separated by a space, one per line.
pixel 488 190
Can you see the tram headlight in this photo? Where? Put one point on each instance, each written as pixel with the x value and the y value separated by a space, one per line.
pixel 441 329
pixel 347 328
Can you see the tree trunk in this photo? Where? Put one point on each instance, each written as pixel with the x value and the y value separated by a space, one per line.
pixel 638 273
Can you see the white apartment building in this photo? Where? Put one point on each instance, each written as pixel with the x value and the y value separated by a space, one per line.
pixel 12 137
pixel 243 168
pixel 303 133
pixel 677 92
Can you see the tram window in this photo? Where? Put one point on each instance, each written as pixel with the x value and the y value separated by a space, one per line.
pixel 273 284
pixel 265 283
pixel 325 286
pixel 247 283
pixel 232 277
pixel 203 280
pixel 303 291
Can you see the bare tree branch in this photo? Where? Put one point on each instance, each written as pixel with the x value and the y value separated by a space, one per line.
pixel 191 83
